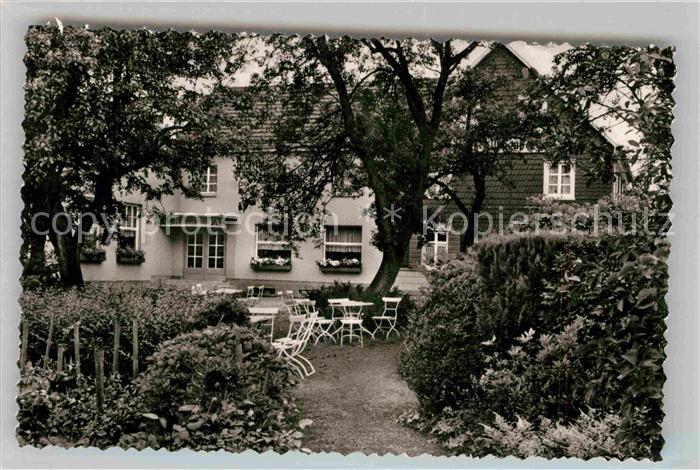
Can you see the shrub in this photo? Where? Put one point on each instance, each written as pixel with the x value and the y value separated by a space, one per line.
pixel 590 435
pixel 592 336
pixel 227 311
pixel 60 409
pixel 488 296
pixel 440 353
pixel 199 396
pixel 162 313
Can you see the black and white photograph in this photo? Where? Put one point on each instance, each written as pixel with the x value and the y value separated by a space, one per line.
pixel 384 244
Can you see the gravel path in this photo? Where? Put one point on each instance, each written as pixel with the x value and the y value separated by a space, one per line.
pixel 354 399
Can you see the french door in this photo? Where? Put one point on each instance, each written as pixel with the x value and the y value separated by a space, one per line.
pixel 205 253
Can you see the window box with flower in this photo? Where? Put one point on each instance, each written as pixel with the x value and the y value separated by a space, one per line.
pixel 273 251
pixel 271 264
pixel 128 255
pixel 91 254
pixel 342 250
pixel 342 266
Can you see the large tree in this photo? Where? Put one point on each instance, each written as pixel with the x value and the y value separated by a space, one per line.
pixel 358 112
pixel 112 112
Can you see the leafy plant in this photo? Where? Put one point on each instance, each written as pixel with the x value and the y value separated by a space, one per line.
pixel 161 313
pixel 218 388
pixel 540 327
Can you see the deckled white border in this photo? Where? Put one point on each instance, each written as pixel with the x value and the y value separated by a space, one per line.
pixel 628 22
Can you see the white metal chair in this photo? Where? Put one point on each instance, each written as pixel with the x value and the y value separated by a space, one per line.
pixel 296 316
pixel 250 297
pixel 387 320
pixel 197 289
pixel 261 290
pixel 292 346
pixel 264 316
pixel 323 326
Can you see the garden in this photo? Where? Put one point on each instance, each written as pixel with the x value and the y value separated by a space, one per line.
pixel 180 371
pixel 544 344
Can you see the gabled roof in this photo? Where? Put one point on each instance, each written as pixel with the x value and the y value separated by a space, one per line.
pixel 544 66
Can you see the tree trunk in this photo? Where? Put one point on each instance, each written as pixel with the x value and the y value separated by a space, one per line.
pixel 67 249
pixel 386 275
pixel 473 216
pixel 36 261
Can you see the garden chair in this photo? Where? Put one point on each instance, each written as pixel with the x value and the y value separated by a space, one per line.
pixel 261 290
pixel 350 323
pixel 264 316
pixel 296 317
pixel 323 326
pixel 197 289
pixel 292 346
pixel 387 320
pixel 250 297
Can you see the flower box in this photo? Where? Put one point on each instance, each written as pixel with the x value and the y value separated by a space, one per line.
pixel 341 269
pixel 93 256
pixel 279 264
pixel 272 267
pixel 344 266
pixel 129 256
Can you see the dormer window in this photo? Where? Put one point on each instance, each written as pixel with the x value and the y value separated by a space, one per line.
pixel 210 181
pixel 560 181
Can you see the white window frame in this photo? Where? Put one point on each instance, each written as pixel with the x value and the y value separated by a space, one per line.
pixel 194 256
pixel 548 171
pixel 436 244
pixel 327 244
pixel 126 226
pixel 284 243
pixel 210 187
pixel 220 239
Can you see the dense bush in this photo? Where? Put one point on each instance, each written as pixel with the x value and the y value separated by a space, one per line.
pixel 195 393
pixel 488 296
pixel 358 292
pixel 201 396
pixel 60 409
pixel 588 436
pixel 162 313
pixel 227 311
pixel 590 337
pixel 440 349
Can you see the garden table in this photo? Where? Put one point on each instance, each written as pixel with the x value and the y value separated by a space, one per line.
pixel 352 317
pixel 263 316
pixel 228 291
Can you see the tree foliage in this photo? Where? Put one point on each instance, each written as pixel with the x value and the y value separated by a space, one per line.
pixel 113 112
pixel 355 112
pixel 606 86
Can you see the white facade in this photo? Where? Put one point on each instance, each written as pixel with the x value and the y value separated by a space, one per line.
pixel 166 250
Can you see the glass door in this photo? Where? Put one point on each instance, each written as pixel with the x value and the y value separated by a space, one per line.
pixel 205 253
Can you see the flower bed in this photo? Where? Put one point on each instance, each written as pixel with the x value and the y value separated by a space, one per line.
pixel 271 264
pixel 220 388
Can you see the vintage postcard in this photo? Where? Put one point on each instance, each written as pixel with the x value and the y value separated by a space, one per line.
pixel 333 243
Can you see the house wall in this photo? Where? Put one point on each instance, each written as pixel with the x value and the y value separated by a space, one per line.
pixel 165 253
pixel 509 198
